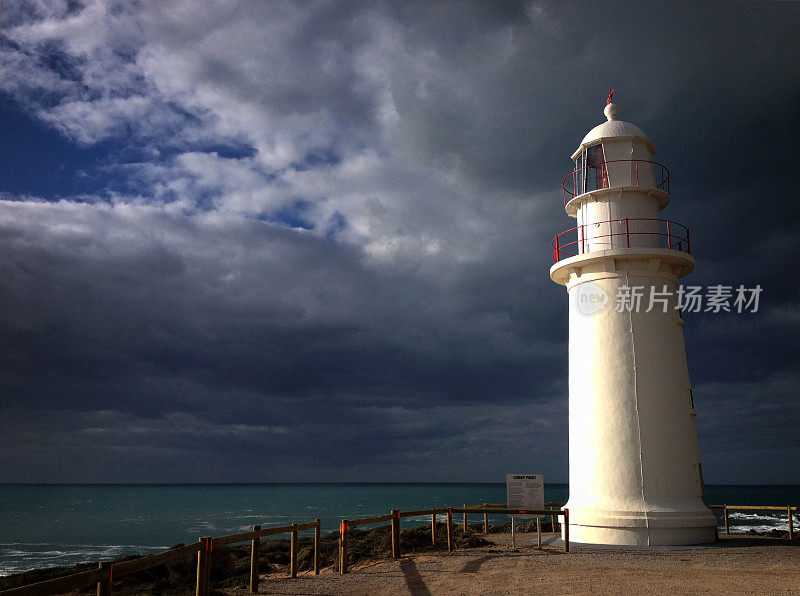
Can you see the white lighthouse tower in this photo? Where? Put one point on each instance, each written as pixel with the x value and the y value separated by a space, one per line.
pixel 635 476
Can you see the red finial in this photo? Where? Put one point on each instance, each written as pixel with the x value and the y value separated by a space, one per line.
pixel 610 96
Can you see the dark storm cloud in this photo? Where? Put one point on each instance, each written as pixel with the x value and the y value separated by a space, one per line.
pixel 232 304
pixel 316 238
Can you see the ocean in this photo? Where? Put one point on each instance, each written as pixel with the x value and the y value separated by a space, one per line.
pixel 59 525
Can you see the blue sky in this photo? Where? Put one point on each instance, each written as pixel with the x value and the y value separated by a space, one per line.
pixel 292 242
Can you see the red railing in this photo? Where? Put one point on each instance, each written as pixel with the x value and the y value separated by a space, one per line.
pixel 675 235
pixel 660 177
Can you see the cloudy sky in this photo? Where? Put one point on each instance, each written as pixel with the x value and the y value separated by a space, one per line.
pixel 275 241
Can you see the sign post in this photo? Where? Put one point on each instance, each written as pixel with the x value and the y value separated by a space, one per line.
pixel 525 491
pixel 513 536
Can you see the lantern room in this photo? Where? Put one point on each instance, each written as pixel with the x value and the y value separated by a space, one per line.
pixel 614 154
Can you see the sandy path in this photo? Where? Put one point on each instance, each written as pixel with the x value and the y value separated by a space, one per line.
pixel 734 566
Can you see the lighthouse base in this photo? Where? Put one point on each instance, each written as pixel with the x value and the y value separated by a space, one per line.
pixel 652 528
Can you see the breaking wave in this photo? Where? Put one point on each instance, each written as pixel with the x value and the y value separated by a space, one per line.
pixel 17 557
pixel 740 522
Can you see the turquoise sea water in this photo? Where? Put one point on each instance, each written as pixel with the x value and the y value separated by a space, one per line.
pixel 54 525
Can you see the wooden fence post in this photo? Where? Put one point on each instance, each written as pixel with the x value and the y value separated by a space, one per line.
pixel 210 544
pixel 317 544
pixel 485 520
pixel 202 557
pixel 293 554
pixel 791 530
pixel 553 520
pixel 727 532
pixel 566 530
pixel 254 547
pixel 395 534
pixel 343 547
pixel 539 533
pixel 450 530
pixel 465 519
pixel 433 529
pixel 104 585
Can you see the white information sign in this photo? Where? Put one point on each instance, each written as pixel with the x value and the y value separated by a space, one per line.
pixel 525 491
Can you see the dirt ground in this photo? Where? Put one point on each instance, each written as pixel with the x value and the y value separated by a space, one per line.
pixel 732 566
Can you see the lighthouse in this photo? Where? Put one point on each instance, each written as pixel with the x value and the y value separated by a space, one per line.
pixel 635 476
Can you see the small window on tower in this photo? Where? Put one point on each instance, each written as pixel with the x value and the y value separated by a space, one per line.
pixel 596 172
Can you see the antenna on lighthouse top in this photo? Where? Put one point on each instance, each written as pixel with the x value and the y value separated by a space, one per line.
pixel 611 109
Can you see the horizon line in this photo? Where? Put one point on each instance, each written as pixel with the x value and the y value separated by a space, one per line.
pixel 332 483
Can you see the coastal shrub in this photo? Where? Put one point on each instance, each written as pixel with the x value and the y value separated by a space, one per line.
pixel 230 565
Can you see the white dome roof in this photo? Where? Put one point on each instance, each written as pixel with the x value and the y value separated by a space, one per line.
pixel 613 128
